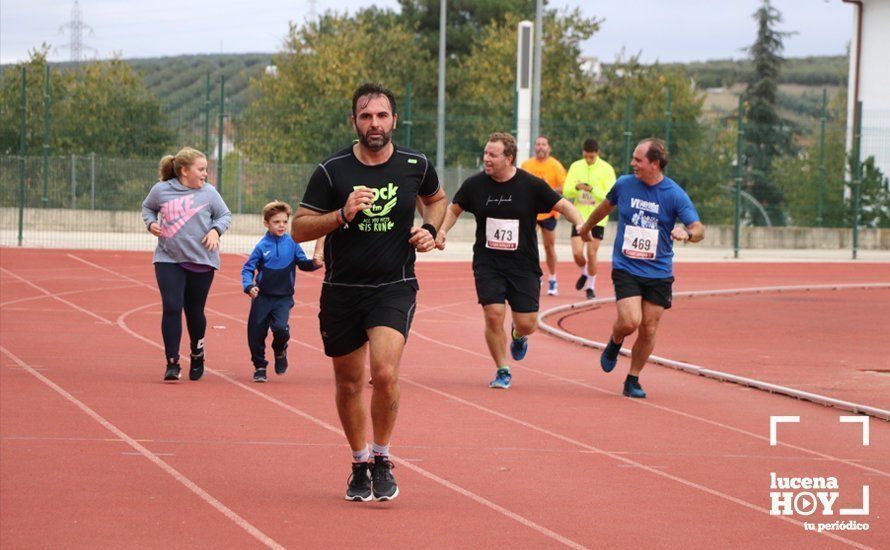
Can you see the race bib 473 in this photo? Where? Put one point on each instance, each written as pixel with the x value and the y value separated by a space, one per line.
pixel 501 234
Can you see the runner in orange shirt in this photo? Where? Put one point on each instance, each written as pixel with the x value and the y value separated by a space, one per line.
pixel 550 170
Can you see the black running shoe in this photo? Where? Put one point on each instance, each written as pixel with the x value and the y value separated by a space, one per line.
pixel 281 363
pixel 259 375
pixel 582 280
pixel 384 484
pixel 590 294
pixel 609 357
pixel 359 489
pixel 632 388
pixel 196 367
pixel 172 373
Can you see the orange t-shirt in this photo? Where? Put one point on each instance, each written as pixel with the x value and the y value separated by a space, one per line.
pixel 549 170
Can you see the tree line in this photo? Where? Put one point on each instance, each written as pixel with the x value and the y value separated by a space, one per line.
pixel 298 112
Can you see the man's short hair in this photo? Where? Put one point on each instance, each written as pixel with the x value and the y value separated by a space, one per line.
pixel 275 207
pixel 590 146
pixel 656 151
pixel 508 141
pixel 373 89
pixel 544 137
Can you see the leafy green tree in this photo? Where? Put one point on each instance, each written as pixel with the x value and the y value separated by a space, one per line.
pixel 766 135
pixel 97 107
pixel 482 88
pixel 798 179
pixel 465 21
pixel 304 108
pixel 10 103
pixel 874 196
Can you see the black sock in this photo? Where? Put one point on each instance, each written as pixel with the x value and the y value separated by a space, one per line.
pixel 632 378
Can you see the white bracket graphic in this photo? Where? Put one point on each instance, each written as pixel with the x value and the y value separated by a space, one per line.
pixel 858 511
pixel 773 421
pixel 862 420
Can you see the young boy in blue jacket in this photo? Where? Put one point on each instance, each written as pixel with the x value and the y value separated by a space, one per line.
pixel 268 278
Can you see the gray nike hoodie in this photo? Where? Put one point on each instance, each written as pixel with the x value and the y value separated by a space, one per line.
pixel 185 216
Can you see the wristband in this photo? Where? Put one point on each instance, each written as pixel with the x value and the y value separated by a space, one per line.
pixel 341 217
pixel 429 227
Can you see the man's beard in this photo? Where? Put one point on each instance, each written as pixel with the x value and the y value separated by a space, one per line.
pixel 379 141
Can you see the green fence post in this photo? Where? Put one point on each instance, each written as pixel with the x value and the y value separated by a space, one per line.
pixel 667 125
pixel 857 176
pixel 240 168
pixel 821 202
pixel 628 114
pixel 22 157
pixel 92 181
pixel 408 122
pixel 219 155
pixel 740 170
pixel 46 91
pixel 74 182
pixel 207 116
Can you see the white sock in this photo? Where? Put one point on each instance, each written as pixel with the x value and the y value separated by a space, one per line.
pixel 591 281
pixel 380 450
pixel 584 271
pixel 553 278
pixel 361 456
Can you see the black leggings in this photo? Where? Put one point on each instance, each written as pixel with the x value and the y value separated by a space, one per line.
pixel 182 289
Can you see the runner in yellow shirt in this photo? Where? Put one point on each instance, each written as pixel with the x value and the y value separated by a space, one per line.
pixel 587 182
pixel 550 170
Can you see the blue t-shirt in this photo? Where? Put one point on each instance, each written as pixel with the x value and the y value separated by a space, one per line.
pixel 643 212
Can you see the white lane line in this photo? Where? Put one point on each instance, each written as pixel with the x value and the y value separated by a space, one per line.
pixel 121 322
pixel 67 293
pixel 189 484
pixel 53 296
pixel 724 376
pixel 531 426
pixel 644 403
pixel 626 461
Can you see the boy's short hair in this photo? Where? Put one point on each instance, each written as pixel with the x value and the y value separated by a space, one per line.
pixel 275 207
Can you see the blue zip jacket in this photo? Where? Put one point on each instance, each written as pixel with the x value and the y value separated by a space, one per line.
pixel 273 260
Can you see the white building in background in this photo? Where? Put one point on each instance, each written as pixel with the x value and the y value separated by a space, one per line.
pixel 592 67
pixel 870 79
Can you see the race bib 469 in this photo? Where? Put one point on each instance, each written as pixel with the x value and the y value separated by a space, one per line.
pixel 640 243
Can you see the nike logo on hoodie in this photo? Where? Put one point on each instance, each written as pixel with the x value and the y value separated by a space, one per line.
pixel 175 214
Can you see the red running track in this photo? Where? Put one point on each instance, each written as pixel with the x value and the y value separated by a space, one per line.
pixel 97 452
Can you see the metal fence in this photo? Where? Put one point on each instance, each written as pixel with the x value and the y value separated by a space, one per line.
pixel 811 181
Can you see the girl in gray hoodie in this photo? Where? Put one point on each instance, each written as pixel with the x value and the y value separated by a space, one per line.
pixel 188 216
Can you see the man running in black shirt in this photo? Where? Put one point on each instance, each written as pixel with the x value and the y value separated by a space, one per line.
pixel 363 198
pixel 506 201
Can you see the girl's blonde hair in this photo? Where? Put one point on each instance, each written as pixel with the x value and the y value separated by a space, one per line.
pixel 171 165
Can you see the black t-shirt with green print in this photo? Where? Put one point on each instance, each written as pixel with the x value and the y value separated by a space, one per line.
pixel 373 250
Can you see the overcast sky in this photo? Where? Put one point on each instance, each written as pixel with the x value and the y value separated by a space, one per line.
pixel 682 30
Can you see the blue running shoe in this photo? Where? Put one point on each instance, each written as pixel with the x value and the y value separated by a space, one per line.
pixel 518 346
pixel 632 388
pixel 502 380
pixel 553 289
pixel 609 358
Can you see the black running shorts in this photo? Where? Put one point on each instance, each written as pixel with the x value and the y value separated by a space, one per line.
pixel 598 232
pixel 656 291
pixel 346 313
pixel 521 290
